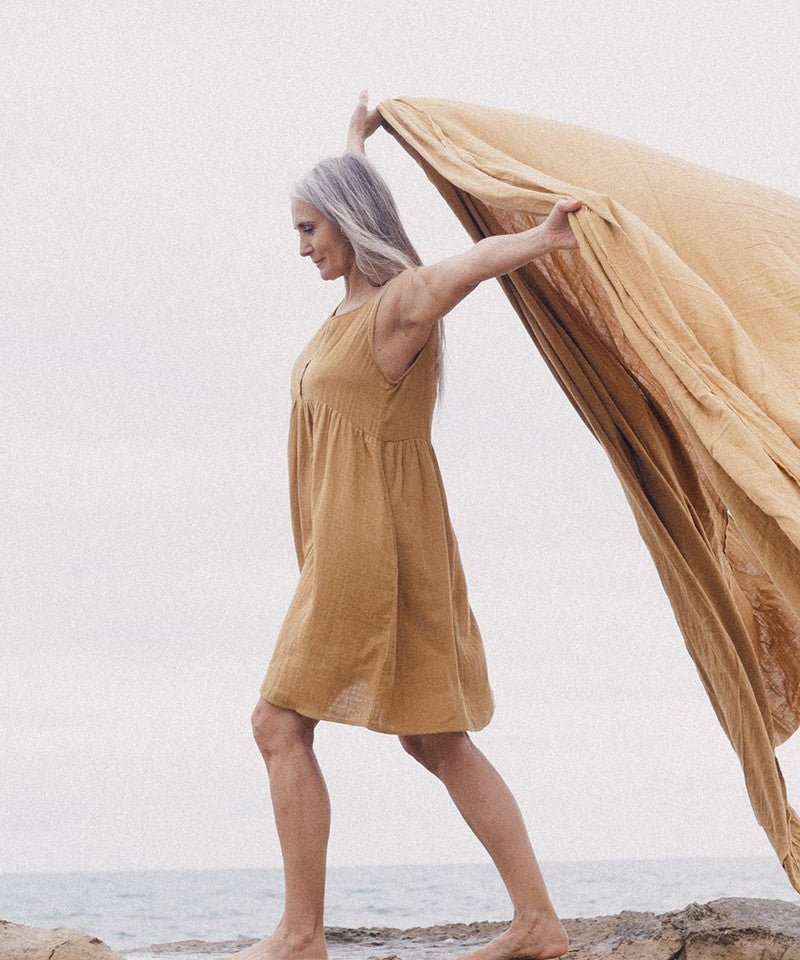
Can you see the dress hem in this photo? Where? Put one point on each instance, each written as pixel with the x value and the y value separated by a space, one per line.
pixel 320 715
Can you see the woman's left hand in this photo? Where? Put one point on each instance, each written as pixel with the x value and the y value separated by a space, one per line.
pixel 556 228
pixel 363 124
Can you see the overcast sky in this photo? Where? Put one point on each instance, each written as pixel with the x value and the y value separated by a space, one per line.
pixel 154 303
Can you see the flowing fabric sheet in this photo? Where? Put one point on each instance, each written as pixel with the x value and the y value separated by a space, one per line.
pixel 674 329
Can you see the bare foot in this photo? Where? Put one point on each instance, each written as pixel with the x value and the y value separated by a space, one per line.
pixel 281 946
pixel 524 940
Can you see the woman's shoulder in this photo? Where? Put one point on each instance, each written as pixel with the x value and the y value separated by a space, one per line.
pixel 400 288
pixel 404 276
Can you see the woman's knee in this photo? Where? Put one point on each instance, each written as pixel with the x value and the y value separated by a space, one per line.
pixel 434 749
pixel 276 729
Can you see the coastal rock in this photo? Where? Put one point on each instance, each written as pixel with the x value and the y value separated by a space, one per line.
pixel 18 942
pixel 728 929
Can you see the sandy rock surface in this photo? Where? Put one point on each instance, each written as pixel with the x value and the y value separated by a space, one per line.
pixel 32 943
pixel 729 929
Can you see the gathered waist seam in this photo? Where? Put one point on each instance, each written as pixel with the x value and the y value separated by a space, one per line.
pixel 321 403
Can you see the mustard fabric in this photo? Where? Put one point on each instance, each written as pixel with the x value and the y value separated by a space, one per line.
pixel 379 632
pixel 675 332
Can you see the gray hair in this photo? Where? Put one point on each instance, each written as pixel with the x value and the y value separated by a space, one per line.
pixel 349 191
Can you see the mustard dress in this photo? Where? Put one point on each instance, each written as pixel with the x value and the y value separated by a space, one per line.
pixel 379 632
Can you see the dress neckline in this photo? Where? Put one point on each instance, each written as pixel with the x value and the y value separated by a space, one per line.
pixel 370 298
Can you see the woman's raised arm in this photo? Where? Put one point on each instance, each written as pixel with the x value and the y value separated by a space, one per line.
pixel 363 124
pixel 426 293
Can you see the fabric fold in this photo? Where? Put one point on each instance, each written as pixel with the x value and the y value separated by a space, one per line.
pixel 674 329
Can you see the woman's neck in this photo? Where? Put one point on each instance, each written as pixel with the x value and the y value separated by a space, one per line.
pixel 357 289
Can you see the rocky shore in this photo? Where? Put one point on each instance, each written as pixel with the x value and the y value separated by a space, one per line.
pixel 728 929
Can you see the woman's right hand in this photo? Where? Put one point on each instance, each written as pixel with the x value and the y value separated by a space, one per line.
pixel 363 124
pixel 556 228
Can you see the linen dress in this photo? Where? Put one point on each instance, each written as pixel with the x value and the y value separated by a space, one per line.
pixel 379 632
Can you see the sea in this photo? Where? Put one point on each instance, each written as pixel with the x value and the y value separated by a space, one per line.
pixel 134 909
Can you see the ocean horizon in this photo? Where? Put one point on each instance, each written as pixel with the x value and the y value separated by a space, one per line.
pixel 138 908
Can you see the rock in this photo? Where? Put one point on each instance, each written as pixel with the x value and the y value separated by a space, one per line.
pixel 33 943
pixel 730 929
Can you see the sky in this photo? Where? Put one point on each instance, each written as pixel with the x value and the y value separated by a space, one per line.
pixel 154 303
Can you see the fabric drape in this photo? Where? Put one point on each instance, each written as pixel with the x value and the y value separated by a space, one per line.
pixel 674 329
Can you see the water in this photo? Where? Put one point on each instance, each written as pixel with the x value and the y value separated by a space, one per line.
pixel 139 908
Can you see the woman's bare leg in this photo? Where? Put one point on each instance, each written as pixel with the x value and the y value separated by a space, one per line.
pixel 489 807
pixel 302 816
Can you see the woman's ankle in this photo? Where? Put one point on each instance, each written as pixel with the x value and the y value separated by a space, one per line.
pixel 300 931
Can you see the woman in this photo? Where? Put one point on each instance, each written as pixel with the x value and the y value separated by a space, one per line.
pixel 380 632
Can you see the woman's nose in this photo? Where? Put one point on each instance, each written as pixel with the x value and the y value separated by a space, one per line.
pixel 305 248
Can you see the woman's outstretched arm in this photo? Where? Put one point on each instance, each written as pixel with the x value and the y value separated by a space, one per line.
pixel 424 294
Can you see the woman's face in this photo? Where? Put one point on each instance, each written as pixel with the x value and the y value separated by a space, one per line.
pixel 322 240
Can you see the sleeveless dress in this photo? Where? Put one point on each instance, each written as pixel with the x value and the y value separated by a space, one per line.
pixel 379 632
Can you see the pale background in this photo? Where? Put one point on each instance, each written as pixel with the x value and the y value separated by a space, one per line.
pixel 153 304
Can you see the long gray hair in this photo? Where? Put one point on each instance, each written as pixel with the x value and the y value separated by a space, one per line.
pixel 349 191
